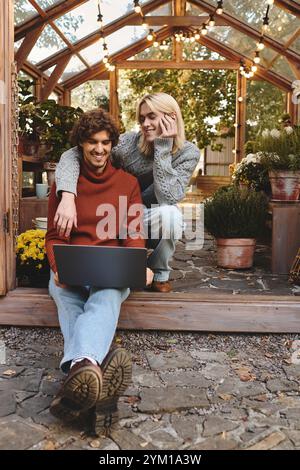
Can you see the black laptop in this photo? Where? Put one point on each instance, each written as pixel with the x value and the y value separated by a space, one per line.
pixel 101 266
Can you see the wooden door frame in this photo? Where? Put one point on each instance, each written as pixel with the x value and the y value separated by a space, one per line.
pixel 8 147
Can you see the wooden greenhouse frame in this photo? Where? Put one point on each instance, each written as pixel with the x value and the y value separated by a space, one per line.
pixel 174 311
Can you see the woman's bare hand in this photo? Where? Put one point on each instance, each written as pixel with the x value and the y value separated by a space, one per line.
pixel 66 215
pixel 149 276
pixel 168 126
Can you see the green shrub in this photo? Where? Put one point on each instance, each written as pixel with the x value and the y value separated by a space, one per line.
pixel 236 213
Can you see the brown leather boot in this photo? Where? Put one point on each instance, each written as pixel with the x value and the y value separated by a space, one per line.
pixel 158 286
pixel 80 391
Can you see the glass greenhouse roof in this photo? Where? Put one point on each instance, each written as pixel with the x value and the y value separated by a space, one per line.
pixel 71 28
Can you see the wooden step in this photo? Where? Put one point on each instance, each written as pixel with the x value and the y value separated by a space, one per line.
pixel 169 312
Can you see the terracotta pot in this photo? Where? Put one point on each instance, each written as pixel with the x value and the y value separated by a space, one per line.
pixel 285 185
pixel 235 253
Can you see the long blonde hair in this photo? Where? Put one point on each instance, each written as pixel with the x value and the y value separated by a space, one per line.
pixel 164 103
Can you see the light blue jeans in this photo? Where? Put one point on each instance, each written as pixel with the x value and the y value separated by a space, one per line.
pixel 165 225
pixel 88 318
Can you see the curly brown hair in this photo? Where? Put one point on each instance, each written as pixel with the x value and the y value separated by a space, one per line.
pixel 92 122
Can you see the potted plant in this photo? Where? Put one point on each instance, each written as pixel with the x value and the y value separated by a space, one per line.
pixel 250 173
pixel 280 155
pixel 32 264
pixel 32 121
pixel 235 217
pixel 60 122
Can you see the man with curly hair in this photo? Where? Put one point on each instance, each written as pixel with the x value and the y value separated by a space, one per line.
pixel 88 316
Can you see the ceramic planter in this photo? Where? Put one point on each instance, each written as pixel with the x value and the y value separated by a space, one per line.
pixel 285 185
pixel 235 253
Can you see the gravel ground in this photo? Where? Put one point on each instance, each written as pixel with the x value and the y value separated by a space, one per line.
pixel 276 345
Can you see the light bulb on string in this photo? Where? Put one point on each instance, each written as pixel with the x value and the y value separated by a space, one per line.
pixel 260 45
pixel 219 9
pixel 211 21
pixel 150 35
pixel 197 35
pixel 137 7
pixel 256 59
pixel 204 30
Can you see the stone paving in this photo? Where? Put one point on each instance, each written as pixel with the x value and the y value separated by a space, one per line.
pixel 189 391
pixel 197 271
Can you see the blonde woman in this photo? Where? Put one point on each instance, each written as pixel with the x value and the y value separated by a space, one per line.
pixel 162 160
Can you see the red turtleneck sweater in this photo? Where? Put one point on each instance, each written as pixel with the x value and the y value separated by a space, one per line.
pixel 92 192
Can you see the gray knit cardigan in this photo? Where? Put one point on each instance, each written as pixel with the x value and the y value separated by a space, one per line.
pixel 171 173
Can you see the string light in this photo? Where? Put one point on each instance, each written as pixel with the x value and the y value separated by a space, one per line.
pixel 150 35
pixel 219 9
pixel 137 7
pixel 256 59
pixel 105 59
pixel 211 20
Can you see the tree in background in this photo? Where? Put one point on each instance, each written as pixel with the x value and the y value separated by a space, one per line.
pixel 90 95
pixel 206 97
pixel 265 106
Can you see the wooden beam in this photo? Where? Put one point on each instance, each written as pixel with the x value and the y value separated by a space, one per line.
pixel 249 31
pixel 175 21
pixel 169 312
pixel 94 37
pixel 188 64
pixel 113 96
pixel 292 109
pixel 295 69
pixel 39 76
pixel 290 6
pixel 240 112
pixel 125 53
pixel 51 14
pixel 26 46
pixel 54 77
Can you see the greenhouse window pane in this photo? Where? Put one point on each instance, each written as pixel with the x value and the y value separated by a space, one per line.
pixel 267 55
pixel 281 66
pixel 23 11
pixel 163 10
pixel 93 53
pixel 116 42
pixel 18 44
pixel 48 72
pixel 74 66
pixel 45 4
pixel 82 21
pixel 195 51
pixel 163 52
pixel 234 39
pixel 282 23
pixel 48 43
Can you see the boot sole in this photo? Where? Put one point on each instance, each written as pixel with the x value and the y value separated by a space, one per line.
pixel 117 374
pixel 80 393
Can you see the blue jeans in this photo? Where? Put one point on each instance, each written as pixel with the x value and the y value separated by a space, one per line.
pixel 165 224
pixel 88 318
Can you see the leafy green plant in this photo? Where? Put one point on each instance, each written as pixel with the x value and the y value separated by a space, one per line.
pixel 32 121
pixel 60 121
pixel 236 213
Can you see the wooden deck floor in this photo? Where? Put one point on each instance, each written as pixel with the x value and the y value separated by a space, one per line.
pixel 173 312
